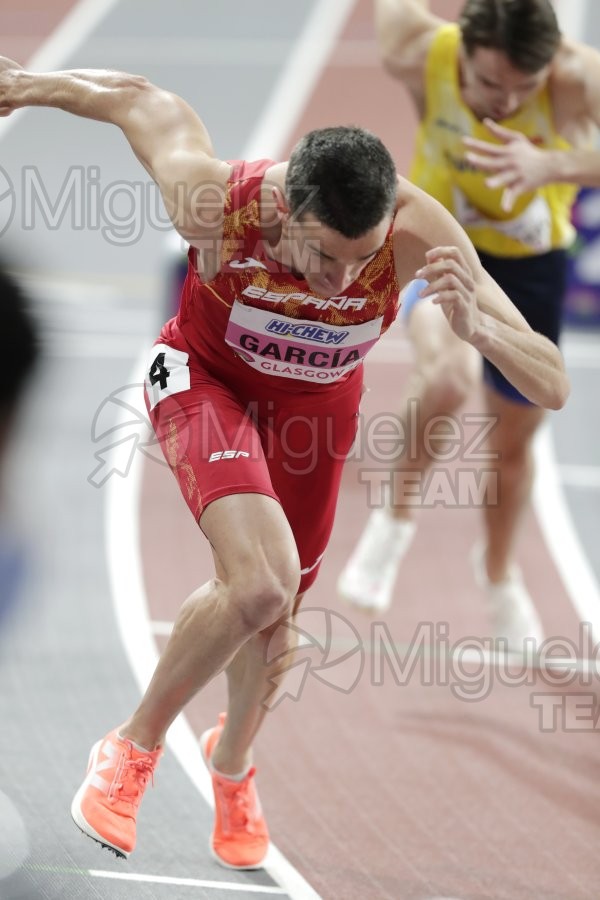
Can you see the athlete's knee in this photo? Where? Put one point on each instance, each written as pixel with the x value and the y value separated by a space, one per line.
pixel 262 594
pixel 262 603
pixel 512 443
pixel 450 377
pixel 517 453
pixel 516 466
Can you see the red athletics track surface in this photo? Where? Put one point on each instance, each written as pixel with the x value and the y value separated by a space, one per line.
pixel 25 25
pixel 405 791
pixel 389 791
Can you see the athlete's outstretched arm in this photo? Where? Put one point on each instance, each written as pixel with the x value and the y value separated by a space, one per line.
pixel 430 244
pixel 166 135
pixel 404 30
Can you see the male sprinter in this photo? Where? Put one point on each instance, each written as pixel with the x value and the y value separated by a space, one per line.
pixel 294 273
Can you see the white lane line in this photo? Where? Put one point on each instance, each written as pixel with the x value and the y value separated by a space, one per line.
pixel 92 346
pixel 269 138
pixel 549 501
pixel 161 629
pixel 94 286
pixel 70 34
pixel 560 535
pixel 581 357
pixel 189 882
pixel 241 53
pixel 237 52
pixel 579 476
pixel 74 29
pixel 122 519
pixel 571 15
pixel 290 95
pixel 285 105
pixel 551 508
pixel 122 540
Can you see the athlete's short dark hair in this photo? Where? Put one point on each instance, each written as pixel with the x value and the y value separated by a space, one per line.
pixel 525 30
pixel 345 177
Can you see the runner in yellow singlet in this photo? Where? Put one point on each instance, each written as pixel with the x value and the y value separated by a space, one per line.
pixel 538 221
pixel 508 114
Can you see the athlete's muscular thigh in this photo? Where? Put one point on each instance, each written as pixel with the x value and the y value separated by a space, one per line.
pixel 252 541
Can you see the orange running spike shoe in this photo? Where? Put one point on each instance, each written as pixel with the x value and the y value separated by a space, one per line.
pixel 240 837
pixel 105 806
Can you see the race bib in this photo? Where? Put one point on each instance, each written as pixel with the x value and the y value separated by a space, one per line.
pixel 298 348
pixel 532 228
pixel 168 373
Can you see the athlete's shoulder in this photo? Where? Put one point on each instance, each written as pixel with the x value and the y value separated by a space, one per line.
pixel 574 85
pixel 570 62
pixel 421 223
pixel 414 204
pixel 405 32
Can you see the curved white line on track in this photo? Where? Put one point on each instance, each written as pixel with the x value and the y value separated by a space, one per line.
pixel 122 500
pixel 571 15
pixel 548 497
pixel 296 83
pixel 122 537
pixel 72 31
pixel 559 533
pixel 289 97
pixel 189 882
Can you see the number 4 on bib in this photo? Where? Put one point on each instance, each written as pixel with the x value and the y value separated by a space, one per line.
pixel 159 372
pixel 168 374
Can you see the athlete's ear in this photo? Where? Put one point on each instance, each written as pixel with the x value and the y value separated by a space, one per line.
pixel 282 210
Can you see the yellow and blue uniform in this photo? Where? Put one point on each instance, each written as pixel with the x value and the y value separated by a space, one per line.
pixel 541 219
pixel 525 249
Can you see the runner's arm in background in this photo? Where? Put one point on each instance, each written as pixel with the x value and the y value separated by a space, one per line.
pixel 404 30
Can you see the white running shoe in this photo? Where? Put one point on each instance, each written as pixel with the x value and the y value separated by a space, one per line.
pixel 512 611
pixel 368 578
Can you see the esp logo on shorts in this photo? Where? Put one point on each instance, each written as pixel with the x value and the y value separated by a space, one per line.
pixel 226 454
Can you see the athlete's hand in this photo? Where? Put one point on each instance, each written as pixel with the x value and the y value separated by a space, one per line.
pixel 8 68
pixel 451 286
pixel 516 164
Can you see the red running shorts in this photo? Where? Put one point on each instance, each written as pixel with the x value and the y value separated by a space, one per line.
pixel 221 439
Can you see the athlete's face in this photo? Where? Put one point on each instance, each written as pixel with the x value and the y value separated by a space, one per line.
pixel 492 87
pixel 329 261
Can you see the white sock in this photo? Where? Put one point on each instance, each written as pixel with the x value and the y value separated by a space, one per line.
pixel 239 777
pixel 138 747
